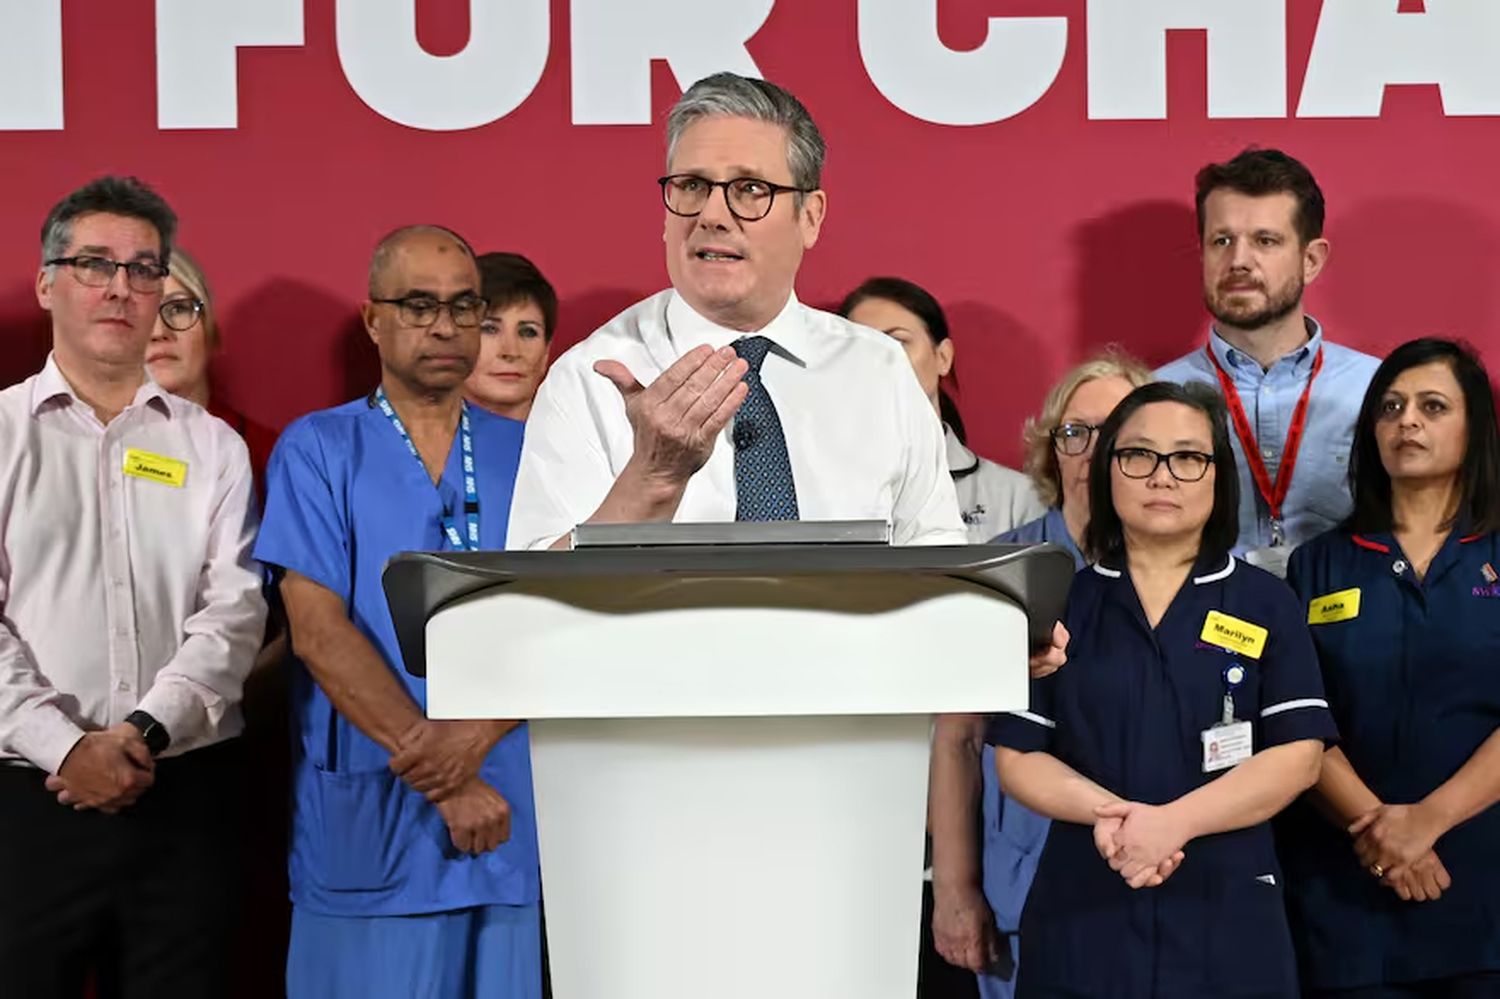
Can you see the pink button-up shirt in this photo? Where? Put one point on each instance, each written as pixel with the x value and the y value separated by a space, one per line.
pixel 119 592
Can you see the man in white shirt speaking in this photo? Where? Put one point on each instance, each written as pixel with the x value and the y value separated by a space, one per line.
pixel 820 419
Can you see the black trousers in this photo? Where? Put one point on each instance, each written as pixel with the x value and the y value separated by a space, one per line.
pixel 149 899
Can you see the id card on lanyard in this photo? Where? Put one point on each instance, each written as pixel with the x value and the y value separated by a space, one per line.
pixel 1275 493
pixel 469 540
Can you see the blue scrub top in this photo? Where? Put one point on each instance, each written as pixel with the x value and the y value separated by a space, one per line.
pixel 343 496
pixel 1414 682
pixel 1127 712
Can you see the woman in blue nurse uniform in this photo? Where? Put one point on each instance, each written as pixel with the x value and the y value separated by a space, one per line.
pixel 1395 875
pixel 1190 712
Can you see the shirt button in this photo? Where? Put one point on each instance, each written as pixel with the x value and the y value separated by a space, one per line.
pixel 1267 452
pixel 123 686
pixel 1399 567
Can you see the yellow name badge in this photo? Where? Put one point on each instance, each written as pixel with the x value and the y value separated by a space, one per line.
pixel 1233 634
pixel 156 467
pixel 1340 606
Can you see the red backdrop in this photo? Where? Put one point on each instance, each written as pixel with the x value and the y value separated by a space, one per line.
pixel 1046 235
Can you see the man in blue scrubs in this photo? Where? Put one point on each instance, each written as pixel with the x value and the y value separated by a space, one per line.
pixel 413 859
pixel 1260 220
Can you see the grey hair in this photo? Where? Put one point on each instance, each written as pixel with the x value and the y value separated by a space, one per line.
pixel 386 249
pixel 730 95
pixel 109 195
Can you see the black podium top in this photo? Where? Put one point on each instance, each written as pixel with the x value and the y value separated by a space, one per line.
pixel 419 584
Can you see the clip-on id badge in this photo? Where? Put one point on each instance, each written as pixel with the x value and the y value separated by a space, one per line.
pixel 1228 743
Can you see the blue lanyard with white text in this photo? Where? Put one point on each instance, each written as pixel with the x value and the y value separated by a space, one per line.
pixel 471 491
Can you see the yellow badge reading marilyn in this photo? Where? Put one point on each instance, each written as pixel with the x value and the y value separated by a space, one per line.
pixel 1340 606
pixel 1233 634
pixel 156 467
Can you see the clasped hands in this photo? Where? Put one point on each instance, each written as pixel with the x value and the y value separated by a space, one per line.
pixel 1142 843
pixel 1395 844
pixel 107 770
pixel 441 760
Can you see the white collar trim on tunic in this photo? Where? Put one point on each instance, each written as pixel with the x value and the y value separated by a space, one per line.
pixel 1212 577
pixel 788 331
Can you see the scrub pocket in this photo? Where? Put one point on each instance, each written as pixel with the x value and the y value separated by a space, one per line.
pixel 364 822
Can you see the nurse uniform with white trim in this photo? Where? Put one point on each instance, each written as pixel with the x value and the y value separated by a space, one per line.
pixel 1152 714
pixel 1412 668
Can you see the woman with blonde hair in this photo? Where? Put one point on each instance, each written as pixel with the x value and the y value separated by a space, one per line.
pixel 979 888
pixel 182 345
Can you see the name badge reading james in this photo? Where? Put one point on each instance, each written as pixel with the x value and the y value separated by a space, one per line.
pixel 156 467
pixel 1340 606
pixel 1235 635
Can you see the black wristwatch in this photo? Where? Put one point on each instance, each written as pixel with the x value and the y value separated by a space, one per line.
pixel 152 731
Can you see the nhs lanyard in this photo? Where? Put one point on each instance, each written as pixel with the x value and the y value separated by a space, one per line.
pixel 471 491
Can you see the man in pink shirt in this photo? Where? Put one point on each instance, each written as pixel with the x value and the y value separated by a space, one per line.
pixel 130 613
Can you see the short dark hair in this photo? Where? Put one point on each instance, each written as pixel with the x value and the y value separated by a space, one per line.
pixel 510 279
pixel 919 302
pixel 1479 474
pixel 111 195
pixel 1259 172
pixel 1104 537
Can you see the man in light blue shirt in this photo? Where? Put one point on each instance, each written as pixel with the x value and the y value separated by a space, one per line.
pixel 1292 396
pixel 413 857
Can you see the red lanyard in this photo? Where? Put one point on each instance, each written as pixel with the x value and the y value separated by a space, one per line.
pixel 1274 495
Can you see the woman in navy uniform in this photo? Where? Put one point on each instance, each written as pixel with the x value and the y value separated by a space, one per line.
pixel 1191 711
pixel 1395 886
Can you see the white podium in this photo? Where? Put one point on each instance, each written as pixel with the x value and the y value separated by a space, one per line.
pixel 729 745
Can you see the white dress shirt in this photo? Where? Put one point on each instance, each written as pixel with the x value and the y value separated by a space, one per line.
pixel 863 440
pixel 118 592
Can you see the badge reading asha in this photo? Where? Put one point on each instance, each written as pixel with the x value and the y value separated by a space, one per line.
pixel 1332 607
pixel 155 467
pixel 1232 634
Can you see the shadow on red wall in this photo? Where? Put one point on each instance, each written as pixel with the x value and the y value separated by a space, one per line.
pixel 1138 282
pixel 1402 268
pixel 26 332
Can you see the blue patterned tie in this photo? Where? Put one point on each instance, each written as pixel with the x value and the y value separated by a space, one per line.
pixel 763 484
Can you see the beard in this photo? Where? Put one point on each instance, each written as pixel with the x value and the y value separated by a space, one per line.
pixel 1278 306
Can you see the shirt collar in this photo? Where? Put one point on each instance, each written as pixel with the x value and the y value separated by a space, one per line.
pixel 51 384
pixel 788 331
pixel 1205 570
pixel 961 461
pixel 1301 357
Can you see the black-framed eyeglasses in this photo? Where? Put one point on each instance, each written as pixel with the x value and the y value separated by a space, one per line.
pixel 748 199
pixel 1073 438
pixel 466 311
pixel 144 276
pixel 181 314
pixel 1142 463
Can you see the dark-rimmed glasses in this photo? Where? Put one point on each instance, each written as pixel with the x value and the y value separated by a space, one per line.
pixel 181 314
pixel 466 311
pixel 748 199
pixel 1142 463
pixel 1073 438
pixel 144 276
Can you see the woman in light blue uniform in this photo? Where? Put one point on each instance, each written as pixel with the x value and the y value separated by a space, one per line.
pixel 1190 712
pixel 1059 443
pixel 1394 889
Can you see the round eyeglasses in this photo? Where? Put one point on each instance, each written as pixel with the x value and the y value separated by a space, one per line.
pixel 1142 463
pixel 466 311
pixel 144 276
pixel 181 314
pixel 748 199
pixel 1073 438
